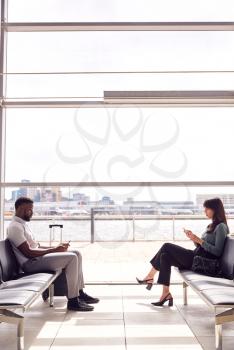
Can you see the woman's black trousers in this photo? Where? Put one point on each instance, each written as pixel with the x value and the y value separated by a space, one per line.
pixel 171 255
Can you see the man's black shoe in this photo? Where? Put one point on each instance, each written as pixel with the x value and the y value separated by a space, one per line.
pixel 78 305
pixel 87 298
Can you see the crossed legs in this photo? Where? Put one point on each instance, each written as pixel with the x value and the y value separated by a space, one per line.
pixel 169 255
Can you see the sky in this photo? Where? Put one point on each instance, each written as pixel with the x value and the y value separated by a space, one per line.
pixel 136 144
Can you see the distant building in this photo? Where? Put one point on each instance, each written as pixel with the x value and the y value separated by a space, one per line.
pixel 227 198
pixel 170 204
pixel 51 194
pixel 57 194
pixel 37 196
pixel 81 198
pixel 161 207
pixel 14 195
pixel 21 192
pixel 106 201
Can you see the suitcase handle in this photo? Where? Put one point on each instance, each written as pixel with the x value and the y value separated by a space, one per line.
pixel 55 225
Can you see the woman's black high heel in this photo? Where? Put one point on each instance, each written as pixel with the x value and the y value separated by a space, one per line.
pixel 149 282
pixel 160 303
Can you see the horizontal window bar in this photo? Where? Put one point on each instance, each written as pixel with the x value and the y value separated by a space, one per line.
pixel 120 184
pixel 123 72
pixel 113 217
pixel 120 103
pixel 118 26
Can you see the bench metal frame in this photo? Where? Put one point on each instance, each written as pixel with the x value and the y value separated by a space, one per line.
pixel 8 315
pixel 220 318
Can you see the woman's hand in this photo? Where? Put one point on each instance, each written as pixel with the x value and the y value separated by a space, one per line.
pixel 193 237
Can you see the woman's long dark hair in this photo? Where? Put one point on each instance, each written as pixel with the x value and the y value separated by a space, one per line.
pixel 219 213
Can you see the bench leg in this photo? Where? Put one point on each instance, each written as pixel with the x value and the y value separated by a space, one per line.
pixel 218 337
pixel 185 293
pixel 20 335
pixel 8 316
pixel 51 295
pixel 221 318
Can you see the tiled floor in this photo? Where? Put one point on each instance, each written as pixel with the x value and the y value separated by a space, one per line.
pixel 124 319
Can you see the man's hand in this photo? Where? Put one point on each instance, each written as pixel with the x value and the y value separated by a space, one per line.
pixel 61 248
pixel 64 245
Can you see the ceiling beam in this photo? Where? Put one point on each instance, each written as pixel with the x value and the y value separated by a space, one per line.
pixel 170 97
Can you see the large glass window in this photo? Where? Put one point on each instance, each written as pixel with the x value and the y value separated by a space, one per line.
pixel 107 144
pixel 120 10
pixel 119 51
pixel 125 144
pixel 91 87
pixel 93 62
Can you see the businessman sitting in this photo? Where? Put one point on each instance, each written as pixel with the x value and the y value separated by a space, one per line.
pixel 34 258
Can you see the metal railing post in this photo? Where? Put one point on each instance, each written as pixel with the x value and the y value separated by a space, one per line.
pixel 173 228
pixel 92 225
pixel 133 228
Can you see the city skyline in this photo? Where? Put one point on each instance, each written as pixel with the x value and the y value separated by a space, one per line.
pixel 55 194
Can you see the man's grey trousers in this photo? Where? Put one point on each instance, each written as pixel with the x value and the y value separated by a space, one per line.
pixel 70 261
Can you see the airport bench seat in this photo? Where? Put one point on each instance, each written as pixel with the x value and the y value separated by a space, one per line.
pixel 216 292
pixel 18 290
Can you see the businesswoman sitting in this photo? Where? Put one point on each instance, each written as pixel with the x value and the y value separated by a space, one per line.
pixel 210 245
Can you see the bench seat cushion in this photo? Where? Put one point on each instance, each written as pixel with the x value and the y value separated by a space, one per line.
pixel 38 277
pixel 211 284
pixel 192 276
pixel 203 282
pixel 200 279
pixel 16 297
pixel 220 296
pixel 34 282
pixel 218 291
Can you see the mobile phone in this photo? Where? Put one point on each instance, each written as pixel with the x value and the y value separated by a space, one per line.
pixel 186 231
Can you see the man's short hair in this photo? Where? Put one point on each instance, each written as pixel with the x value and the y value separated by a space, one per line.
pixel 22 200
